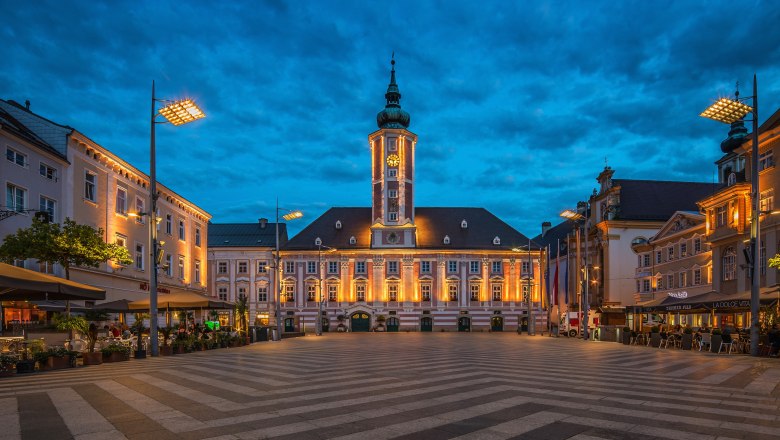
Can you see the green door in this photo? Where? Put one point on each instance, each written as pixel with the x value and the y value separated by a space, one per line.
pixel 393 324
pixel 464 324
pixel 497 324
pixel 360 322
pixel 426 324
pixel 289 325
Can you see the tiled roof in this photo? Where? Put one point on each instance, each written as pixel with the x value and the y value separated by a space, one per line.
pixel 432 225
pixel 246 235
pixel 557 232
pixel 10 123
pixel 656 200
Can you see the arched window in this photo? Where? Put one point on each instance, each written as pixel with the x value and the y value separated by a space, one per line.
pixel 729 264
pixel 446 239
pixel 496 241
pixel 352 240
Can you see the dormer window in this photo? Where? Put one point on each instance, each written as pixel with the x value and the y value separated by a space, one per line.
pixel 352 240
pixel 338 224
pixel 496 241
pixel 464 224
pixel 318 241
pixel 446 239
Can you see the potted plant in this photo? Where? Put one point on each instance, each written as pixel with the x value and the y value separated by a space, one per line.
pixel 380 323
pixel 655 336
pixel 341 327
pixel 686 343
pixel 58 358
pixel 166 349
pixel 115 352
pixel 626 335
pixel 717 339
pixel 7 365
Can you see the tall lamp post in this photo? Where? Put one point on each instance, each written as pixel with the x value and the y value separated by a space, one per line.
pixel 290 215
pixel 585 296
pixel 177 113
pixel 729 111
pixel 320 247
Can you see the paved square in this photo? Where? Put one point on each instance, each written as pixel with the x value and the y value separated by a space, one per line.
pixel 404 385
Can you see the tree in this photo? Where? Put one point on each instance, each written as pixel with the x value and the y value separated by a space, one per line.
pixel 69 244
pixel 242 312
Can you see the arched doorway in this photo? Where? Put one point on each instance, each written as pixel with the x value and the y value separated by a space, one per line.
pixel 497 324
pixel 464 324
pixel 426 324
pixel 393 324
pixel 289 325
pixel 524 324
pixel 360 322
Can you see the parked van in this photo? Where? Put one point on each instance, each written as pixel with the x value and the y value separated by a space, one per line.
pixel 570 325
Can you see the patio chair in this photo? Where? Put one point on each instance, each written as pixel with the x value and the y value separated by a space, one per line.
pixel 728 345
pixel 706 339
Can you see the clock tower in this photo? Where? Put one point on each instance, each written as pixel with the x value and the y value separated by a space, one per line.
pixel 392 174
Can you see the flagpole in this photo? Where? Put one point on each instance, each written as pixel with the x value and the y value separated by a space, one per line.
pixel 557 283
pixel 549 295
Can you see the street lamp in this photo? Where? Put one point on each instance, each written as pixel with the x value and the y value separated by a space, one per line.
pixel 328 249
pixel 177 113
pixel 585 295
pixel 290 215
pixel 531 324
pixel 729 111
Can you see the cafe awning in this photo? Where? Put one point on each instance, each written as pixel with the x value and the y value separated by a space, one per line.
pixel 182 300
pixel 21 284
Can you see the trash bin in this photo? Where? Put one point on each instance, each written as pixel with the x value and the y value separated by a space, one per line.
pixel 252 334
pixel 262 334
pixel 274 335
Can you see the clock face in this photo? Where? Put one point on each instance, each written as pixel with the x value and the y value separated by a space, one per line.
pixel 393 160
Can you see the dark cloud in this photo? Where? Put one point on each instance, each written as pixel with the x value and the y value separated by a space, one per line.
pixel 516 105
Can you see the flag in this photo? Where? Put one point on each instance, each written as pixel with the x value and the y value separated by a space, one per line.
pixel 566 281
pixel 547 277
pixel 555 281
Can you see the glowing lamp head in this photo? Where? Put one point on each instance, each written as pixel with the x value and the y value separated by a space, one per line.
pixel 182 112
pixel 726 110
pixel 292 215
pixel 571 215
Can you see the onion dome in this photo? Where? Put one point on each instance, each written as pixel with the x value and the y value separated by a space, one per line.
pixel 737 134
pixel 392 116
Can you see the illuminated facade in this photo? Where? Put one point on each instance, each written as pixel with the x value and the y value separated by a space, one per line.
pixel 97 188
pixel 421 269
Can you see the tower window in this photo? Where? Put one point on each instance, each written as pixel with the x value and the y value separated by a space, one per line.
pixel 392 216
pixel 392 172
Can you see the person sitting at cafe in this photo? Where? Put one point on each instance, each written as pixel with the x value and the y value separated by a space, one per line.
pixel 726 335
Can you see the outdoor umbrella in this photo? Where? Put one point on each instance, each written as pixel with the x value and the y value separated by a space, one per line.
pixel 181 300
pixel 22 284
pixel 118 306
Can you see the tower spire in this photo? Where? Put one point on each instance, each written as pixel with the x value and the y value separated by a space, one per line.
pixel 392 116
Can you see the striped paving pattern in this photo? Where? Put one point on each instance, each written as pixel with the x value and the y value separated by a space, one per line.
pixel 404 386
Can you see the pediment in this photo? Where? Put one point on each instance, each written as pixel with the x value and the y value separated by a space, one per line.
pixel 679 222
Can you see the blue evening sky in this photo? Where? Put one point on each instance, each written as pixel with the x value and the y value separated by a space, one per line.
pixel 516 103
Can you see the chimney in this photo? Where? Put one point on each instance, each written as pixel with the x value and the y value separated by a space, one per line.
pixel 545 227
pixel 263 222
pixel 27 104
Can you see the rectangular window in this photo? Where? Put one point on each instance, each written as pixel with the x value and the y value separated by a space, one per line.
pixel 696 277
pixel 766 201
pixel 243 267
pixel 766 160
pixel 15 157
pixel 425 291
pixel 696 245
pixel 683 250
pixel 139 208
pixel 311 292
pixel 289 292
pixel 121 201
pixel 222 267
pixel 526 288
pixel 645 285
pixel 139 256
pixel 392 216
pixel 474 292
pixel 683 276
pixel 289 267
pixel 169 265
pixel 311 267
pixel 48 172
pixel 262 267
pixel 658 257
pixel 222 293
pixel 168 224
pixel 496 292
pixel 181 230
pixel 646 260
pixel 360 292
pixel 181 267
pixel 333 267
pixel 120 240
pixel 333 293
pixel 452 266
pixel 392 172
pixel 670 253
pixel 90 186
pixel 720 212
pixel 197 236
pixel 670 281
pixel 360 267
pixel 496 267
pixel 262 294
pixel 525 267
pixel 15 197
pixel 392 267
pixel 47 205
pixel 453 291
pixel 241 292
pixel 392 292
pixel 659 283
pixel 197 271
pixel 393 193
pixel 425 267
pixel 474 266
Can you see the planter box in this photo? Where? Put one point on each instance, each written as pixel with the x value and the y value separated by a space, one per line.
pixel 8 370
pixel 58 362
pixel 27 366
pixel 117 357
pixel 655 340
pixel 166 351
pixel 716 341
pixel 687 341
pixel 626 337
pixel 93 358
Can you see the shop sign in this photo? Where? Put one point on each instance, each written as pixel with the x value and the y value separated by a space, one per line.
pixel 145 286
pixel 731 304
pixel 680 294
pixel 679 307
